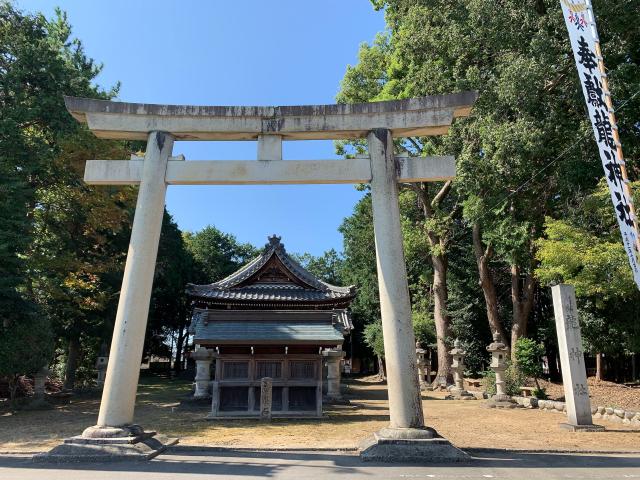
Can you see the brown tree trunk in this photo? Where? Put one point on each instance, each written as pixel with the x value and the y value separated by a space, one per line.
pixel 13 388
pixel 442 320
pixel 381 371
pixel 599 366
pixel 440 264
pixel 72 363
pixel 177 365
pixel 522 301
pixel 552 359
pixel 483 254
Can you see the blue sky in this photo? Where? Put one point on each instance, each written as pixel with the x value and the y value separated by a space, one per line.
pixel 245 52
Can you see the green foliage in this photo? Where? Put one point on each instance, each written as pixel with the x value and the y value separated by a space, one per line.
pixel 529 357
pixel 50 238
pixel 328 267
pixel 423 329
pixel 529 114
pixel 540 393
pixel 513 380
pixel 217 254
pixel 26 345
pixel 374 339
pixel 584 249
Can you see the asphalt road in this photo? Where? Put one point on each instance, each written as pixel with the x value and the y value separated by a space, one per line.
pixel 215 464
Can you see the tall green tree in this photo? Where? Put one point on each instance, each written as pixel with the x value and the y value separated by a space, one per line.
pixel 515 166
pixel 327 267
pixel 39 62
pixel 216 254
pixel 169 311
pixel 584 249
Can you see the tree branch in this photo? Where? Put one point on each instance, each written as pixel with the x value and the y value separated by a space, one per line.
pixel 444 191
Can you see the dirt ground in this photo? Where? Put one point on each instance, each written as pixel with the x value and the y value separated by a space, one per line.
pixel 602 393
pixel 466 423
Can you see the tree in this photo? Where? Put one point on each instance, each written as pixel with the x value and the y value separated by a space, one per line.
pixel 529 108
pixel 584 249
pixel 25 346
pixel 529 358
pixel 371 80
pixel 169 311
pixel 39 63
pixel 327 267
pixel 217 254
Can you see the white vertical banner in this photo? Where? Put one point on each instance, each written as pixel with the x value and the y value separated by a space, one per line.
pixel 581 24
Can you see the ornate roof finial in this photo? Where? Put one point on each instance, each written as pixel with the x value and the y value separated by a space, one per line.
pixel 274 242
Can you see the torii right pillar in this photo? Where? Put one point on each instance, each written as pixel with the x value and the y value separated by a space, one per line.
pixel 406 438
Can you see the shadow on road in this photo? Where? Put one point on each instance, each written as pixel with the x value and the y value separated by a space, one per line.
pixel 227 462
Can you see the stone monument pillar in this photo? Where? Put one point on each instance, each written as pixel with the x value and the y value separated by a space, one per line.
pixel 333 358
pixel 421 361
pixel 39 382
pixel 457 391
pixel 266 398
pixel 499 354
pixel 102 363
pixel 574 373
pixel 203 358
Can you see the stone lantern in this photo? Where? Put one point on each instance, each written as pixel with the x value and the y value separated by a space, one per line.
pixel 424 364
pixel 499 354
pixel 203 357
pixel 101 366
pixel 457 391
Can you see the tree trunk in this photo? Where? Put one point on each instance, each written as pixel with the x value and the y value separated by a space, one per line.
pixel 440 263
pixel 483 254
pixel 552 359
pixel 13 388
pixel 177 365
pixel 522 301
pixel 599 366
pixel 381 371
pixel 442 320
pixel 72 363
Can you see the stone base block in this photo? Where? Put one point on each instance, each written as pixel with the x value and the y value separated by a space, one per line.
pixel 499 404
pixel 108 445
pixel 581 428
pixel 410 446
pixel 335 401
pixel 457 394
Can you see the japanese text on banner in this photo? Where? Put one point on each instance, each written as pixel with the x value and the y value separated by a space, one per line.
pixel 580 23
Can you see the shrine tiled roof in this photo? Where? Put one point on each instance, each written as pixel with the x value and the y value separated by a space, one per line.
pixel 273 276
pixel 260 327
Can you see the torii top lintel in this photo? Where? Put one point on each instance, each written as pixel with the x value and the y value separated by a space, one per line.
pixel 430 115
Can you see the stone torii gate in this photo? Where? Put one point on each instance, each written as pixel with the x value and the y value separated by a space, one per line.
pixel 378 122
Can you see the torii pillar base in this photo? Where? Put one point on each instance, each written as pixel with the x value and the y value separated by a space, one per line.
pixel 108 444
pixel 581 428
pixel 410 445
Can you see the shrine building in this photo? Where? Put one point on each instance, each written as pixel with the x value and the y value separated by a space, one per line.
pixel 272 318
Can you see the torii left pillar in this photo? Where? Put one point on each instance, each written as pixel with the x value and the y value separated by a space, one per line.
pixel 115 420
